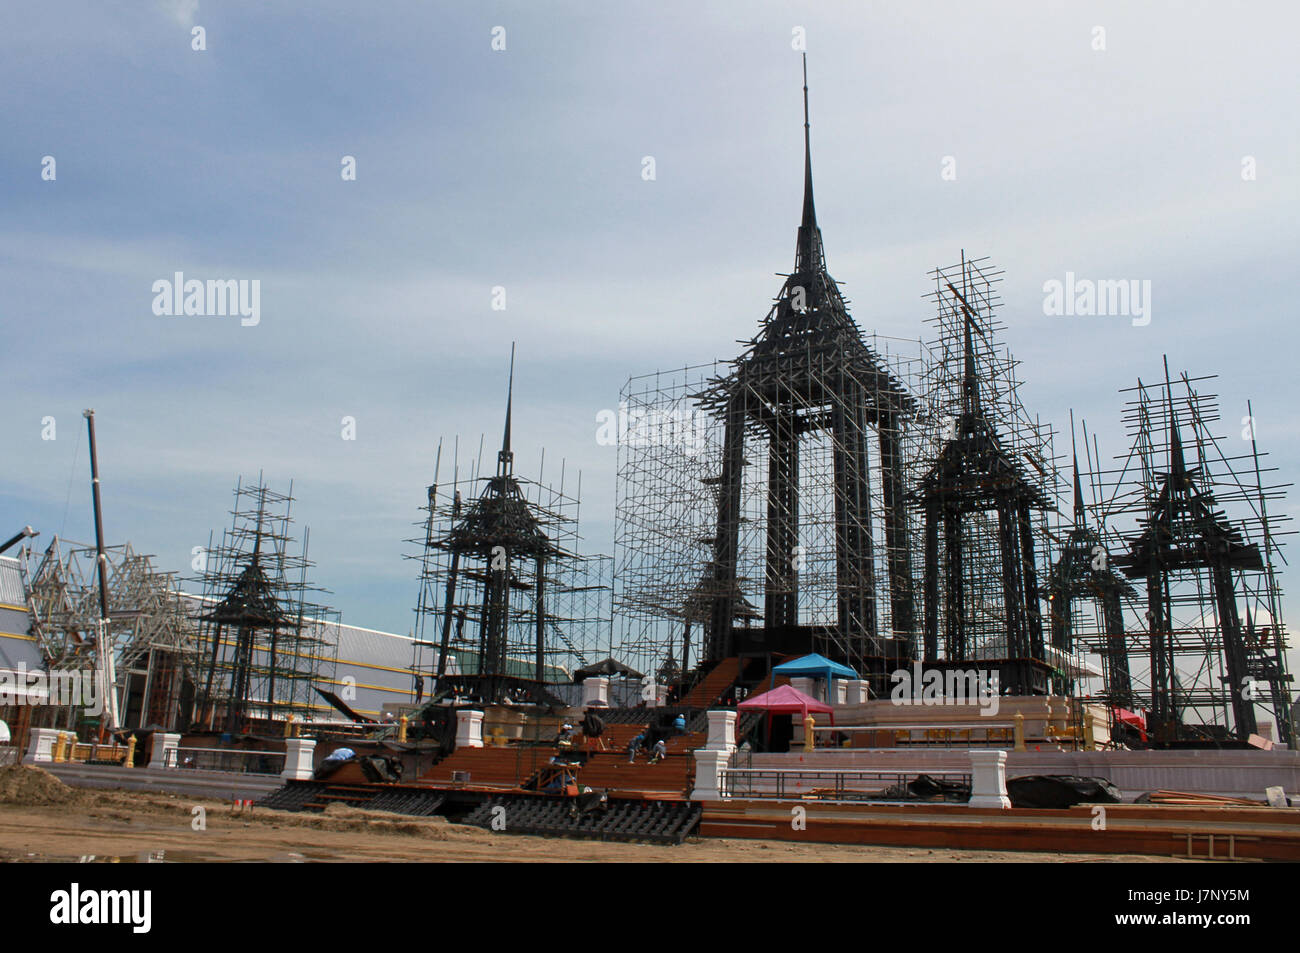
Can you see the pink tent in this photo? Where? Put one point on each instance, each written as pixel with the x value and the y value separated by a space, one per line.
pixel 786 700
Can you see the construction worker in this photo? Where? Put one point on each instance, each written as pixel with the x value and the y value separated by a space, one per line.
pixel 660 752
pixel 634 746
pixel 592 729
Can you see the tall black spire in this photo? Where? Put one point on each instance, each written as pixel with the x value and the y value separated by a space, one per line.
pixel 506 458
pixel 1080 516
pixel 970 388
pixel 1177 461
pixel 809 255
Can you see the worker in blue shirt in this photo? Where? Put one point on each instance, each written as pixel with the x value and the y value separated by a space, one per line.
pixel 634 746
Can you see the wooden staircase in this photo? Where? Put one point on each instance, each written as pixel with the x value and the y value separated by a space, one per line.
pixel 509 767
pixel 713 686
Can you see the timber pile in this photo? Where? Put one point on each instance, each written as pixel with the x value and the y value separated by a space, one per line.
pixel 1195 800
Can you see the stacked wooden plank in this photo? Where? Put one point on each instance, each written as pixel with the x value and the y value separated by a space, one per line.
pixel 1193 799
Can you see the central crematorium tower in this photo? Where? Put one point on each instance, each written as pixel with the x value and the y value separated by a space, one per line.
pixel 763 502
pixel 809 380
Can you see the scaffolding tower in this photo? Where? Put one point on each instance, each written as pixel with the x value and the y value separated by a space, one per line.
pixel 262 643
pixel 761 501
pixel 810 552
pixel 507 605
pixel 153 640
pixel 1189 522
pixel 666 520
pixel 989 482
pixel 1086 597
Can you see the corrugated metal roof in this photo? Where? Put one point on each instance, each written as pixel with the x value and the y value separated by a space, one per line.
pixel 374 667
pixel 16 645
pixel 371 647
pixel 11 583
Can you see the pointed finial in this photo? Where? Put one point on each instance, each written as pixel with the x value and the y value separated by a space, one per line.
pixel 970 378
pixel 1177 462
pixel 1080 516
pixel 506 458
pixel 809 251
pixel 261 512
pixel 805 97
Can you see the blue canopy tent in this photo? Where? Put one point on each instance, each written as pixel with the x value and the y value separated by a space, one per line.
pixel 813 666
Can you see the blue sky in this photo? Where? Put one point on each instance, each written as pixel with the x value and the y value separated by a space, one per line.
pixel 522 169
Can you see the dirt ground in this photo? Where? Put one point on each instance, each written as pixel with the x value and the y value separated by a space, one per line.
pixel 42 820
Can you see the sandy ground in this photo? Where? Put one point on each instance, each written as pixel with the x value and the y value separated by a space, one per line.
pixel 50 822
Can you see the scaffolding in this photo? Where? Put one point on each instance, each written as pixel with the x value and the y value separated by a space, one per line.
pixel 779 501
pixel 262 643
pixel 988 484
pixel 1187 520
pixel 665 518
pixel 879 500
pixel 152 638
pixel 1086 597
pixel 507 605
pixel 810 552
pixel 784 504
pixel 871 443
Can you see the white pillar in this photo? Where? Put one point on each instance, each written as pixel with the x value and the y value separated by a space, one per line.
pixel 298 759
pixel 857 691
pixel 708 774
pixel 595 690
pixel 722 731
pixel 806 685
pixel 162 743
pixel 40 748
pixel 988 779
pixel 469 728
pixel 839 691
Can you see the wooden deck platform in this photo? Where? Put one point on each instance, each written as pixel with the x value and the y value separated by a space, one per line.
pixel 1218 833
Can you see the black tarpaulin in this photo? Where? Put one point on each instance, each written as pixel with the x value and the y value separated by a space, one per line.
pixel 1060 791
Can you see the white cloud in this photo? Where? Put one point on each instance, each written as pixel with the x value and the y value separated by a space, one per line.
pixel 182 11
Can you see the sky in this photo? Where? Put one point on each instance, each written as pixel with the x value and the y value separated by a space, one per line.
pixel 1154 142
